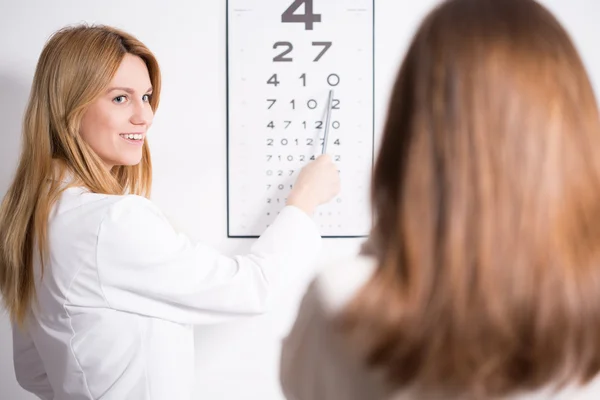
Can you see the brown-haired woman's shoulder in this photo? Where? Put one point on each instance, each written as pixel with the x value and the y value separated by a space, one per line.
pixel 315 362
pixel 339 280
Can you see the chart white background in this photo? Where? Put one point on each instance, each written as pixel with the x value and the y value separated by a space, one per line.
pixel 279 77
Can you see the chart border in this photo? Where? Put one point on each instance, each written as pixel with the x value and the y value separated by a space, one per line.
pixel 229 235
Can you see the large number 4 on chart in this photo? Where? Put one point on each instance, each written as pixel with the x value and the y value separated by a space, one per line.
pixel 308 18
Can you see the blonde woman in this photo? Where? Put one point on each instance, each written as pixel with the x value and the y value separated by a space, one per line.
pixel 481 279
pixel 101 290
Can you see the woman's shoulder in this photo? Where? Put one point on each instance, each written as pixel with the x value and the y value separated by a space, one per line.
pixel 74 197
pixel 340 280
pixel 129 220
pixel 78 202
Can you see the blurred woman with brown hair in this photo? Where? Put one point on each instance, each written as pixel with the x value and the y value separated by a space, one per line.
pixel 482 275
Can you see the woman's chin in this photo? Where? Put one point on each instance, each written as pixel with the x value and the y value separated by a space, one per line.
pixel 128 161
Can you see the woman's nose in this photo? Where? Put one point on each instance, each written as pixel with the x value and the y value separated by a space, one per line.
pixel 142 113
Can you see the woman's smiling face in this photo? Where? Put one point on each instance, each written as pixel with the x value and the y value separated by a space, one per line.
pixel 115 125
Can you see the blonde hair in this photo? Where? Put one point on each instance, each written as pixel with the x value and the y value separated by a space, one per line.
pixel 486 194
pixel 75 66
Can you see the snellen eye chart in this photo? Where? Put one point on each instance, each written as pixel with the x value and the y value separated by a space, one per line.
pixel 300 77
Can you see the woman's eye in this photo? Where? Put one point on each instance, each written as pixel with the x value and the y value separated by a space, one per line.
pixel 147 97
pixel 119 99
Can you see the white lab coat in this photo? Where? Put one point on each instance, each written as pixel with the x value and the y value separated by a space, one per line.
pixel 317 365
pixel 121 290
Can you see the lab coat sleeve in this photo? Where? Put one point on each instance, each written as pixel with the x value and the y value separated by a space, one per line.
pixel 146 267
pixel 29 368
pixel 316 363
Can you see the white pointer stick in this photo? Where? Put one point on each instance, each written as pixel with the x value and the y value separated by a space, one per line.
pixel 327 118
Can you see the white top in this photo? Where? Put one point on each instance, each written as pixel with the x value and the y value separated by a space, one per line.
pixel 121 290
pixel 316 366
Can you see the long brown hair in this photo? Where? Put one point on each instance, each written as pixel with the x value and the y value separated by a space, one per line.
pixel 74 68
pixel 486 195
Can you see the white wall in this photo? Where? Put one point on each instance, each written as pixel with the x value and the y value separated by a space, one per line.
pixel 238 360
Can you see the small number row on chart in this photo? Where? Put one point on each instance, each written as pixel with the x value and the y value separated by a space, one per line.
pixel 281 172
pixel 284 200
pixel 310 104
pixel 332 80
pixel 318 125
pixel 297 142
pixel 301 158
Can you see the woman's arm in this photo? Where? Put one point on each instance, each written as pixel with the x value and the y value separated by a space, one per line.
pixel 146 267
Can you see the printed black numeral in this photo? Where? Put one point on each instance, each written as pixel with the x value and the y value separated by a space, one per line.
pixel 308 18
pixel 280 57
